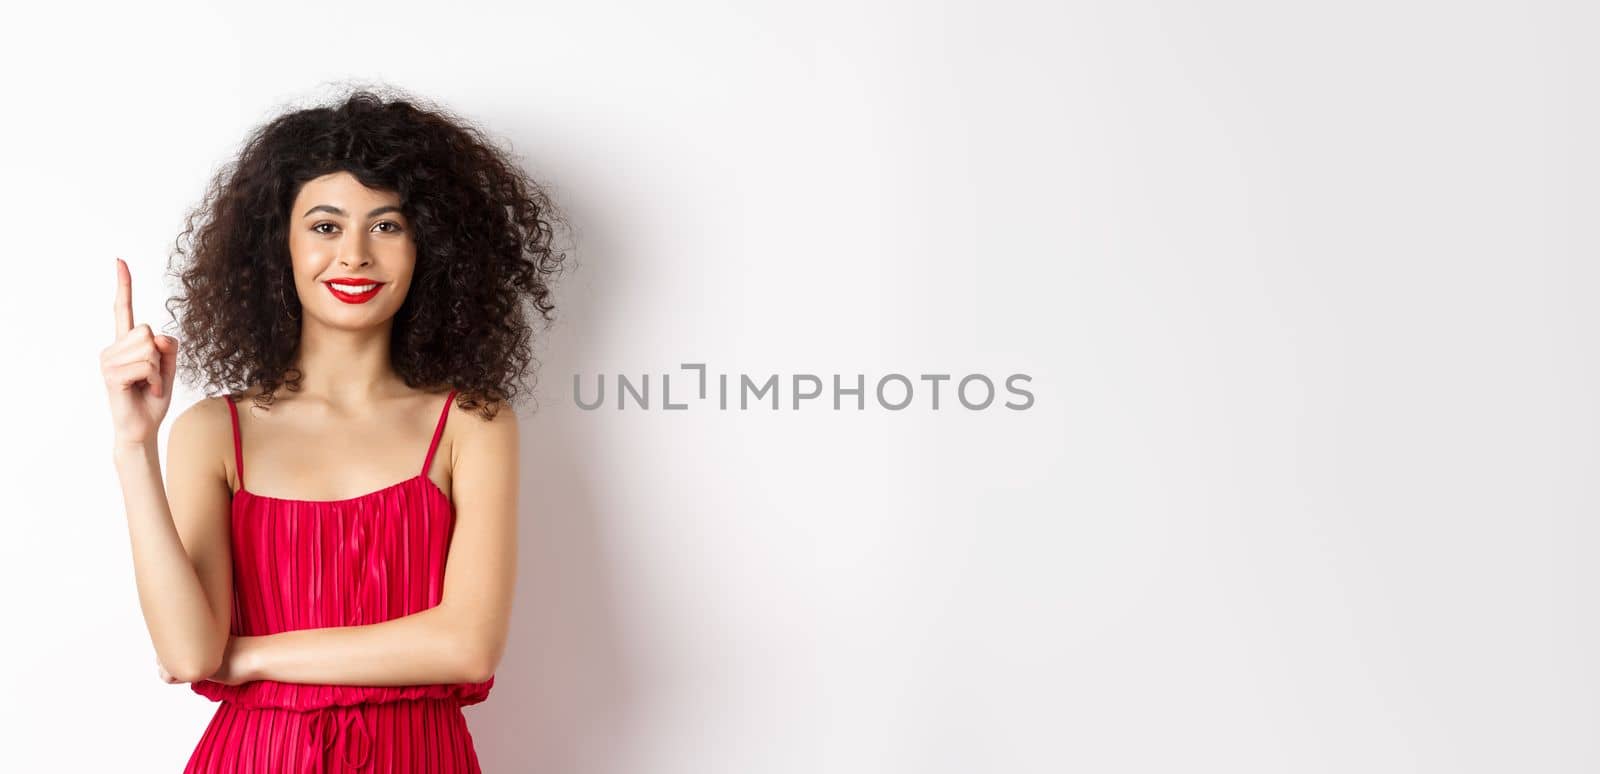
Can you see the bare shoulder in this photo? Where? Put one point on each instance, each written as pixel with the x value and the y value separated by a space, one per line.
pixel 484 465
pixel 501 410
pixel 199 422
pixel 473 420
pixel 476 438
pixel 201 440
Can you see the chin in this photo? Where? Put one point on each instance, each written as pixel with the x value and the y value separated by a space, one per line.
pixel 356 319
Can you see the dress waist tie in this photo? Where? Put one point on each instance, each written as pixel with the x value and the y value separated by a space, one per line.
pixel 327 732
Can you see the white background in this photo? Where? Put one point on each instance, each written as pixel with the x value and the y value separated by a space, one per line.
pixel 1305 289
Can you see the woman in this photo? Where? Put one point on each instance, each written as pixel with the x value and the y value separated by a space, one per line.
pixel 334 565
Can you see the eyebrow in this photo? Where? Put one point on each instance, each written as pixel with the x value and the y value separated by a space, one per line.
pixel 342 213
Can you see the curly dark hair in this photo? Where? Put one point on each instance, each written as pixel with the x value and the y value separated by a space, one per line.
pixel 483 231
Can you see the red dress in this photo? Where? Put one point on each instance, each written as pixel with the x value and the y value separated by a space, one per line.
pixel 305 564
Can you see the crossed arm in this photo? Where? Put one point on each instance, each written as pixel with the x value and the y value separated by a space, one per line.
pixel 459 640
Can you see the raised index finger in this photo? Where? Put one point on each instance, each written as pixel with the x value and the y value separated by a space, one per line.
pixel 122 308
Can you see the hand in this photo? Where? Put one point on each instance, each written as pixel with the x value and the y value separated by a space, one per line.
pixel 138 369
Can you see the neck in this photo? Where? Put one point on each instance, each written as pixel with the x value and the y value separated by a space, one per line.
pixel 345 366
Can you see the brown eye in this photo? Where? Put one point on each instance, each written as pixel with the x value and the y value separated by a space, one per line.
pixel 391 223
pixel 320 225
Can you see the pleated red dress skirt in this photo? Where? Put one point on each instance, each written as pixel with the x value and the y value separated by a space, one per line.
pixel 306 564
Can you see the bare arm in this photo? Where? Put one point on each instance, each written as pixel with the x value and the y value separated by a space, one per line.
pixel 180 549
pixel 418 649
pixel 181 558
pixel 459 640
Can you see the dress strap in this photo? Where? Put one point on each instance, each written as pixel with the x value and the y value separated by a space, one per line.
pixel 238 448
pixel 438 431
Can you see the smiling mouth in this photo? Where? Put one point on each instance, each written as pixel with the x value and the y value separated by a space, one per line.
pixel 354 294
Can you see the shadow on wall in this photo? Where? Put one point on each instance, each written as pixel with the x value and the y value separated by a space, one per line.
pixel 563 689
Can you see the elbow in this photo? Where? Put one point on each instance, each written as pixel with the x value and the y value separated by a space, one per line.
pixel 193 670
pixel 194 666
pixel 188 675
pixel 478 668
pixel 478 662
pixel 476 649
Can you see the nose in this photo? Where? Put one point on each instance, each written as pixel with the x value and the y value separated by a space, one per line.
pixel 353 252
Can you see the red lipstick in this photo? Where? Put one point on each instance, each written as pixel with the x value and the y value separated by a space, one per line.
pixel 353 282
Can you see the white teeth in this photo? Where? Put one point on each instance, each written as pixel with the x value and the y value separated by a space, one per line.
pixel 352 289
